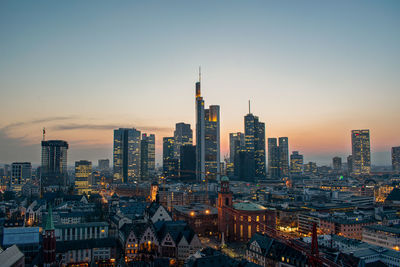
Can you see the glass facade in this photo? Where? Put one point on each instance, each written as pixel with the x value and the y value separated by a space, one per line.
pixel 361 152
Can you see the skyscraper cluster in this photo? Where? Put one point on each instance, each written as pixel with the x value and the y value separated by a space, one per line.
pixel 134 155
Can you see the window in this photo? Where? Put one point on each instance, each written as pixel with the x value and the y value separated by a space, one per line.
pixel 241 231
pixel 249 219
pixel 257 218
pixel 249 231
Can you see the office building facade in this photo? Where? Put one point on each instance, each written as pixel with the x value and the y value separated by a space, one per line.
pixel 147 155
pixel 83 175
pixel 337 164
pixel 170 163
pixel 53 170
pixel 126 158
pixel 361 152
pixel 278 157
pixel 296 163
pixel 104 164
pixel 183 135
pixel 21 172
pixel 187 162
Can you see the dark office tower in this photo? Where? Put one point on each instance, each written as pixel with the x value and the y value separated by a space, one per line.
pixel 147 155
pixel 54 163
pixel 296 163
pixel 170 164
pixel 104 165
pixel 254 132
pixel 361 152
pixel 337 164
pixel 283 156
pixel 236 144
pixel 273 158
pixel 21 172
pixel 396 159
pixel 200 134
pixel 188 162
pixel 126 154
pixel 349 164
pixel 183 135
pixel 212 142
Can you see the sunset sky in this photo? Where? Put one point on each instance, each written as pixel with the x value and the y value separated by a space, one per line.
pixel 314 70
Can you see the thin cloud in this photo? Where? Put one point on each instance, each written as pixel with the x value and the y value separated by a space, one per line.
pixel 77 126
pixel 37 121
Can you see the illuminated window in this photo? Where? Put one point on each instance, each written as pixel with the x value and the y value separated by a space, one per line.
pixel 249 219
pixel 241 231
pixel 249 231
pixel 258 228
pixel 257 218
pixel 234 228
pixel 241 218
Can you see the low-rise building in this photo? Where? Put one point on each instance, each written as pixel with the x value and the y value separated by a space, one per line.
pixel 384 236
pixel 202 218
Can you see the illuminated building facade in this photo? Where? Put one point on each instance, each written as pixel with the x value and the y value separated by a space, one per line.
pixel 254 138
pixel 170 164
pixel 183 135
pixel 126 154
pixel 200 134
pixel 83 173
pixel 147 155
pixel 360 143
pixel 396 159
pixel 278 157
pixel 236 144
pixel 310 168
pixel 337 164
pixel 54 163
pixel 212 142
pixel 21 172
pixel 296 163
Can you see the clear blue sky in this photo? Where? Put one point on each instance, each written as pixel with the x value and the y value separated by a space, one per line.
pixel 313 69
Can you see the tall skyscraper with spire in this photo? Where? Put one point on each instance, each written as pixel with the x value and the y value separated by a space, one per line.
pixel 200 133
pixel 207 137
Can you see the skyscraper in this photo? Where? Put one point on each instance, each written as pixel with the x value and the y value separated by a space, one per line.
pixel 296 163
pixel 212 142
pixel 360 143
pixel 337 164
pixel 278 157
pixel 83 175
pixel 183 135
pixel 187 162
pixel 126 154
pixel 254 132
pixel 236 143
pixel 21 172
pixel 170 164
pixel 284 156
pixel 54 163
pixel 207 138
pixel 147 155
pixel 396 159
pixel 349 164
pixel 200 134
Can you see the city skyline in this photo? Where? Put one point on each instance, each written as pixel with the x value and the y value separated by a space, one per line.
pixel 312 90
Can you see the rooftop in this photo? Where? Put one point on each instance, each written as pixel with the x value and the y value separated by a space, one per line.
pixel 248 206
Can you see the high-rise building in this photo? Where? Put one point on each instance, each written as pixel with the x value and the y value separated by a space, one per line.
pixel 296 163
pixel 310 168
pixel 187 162
pixel 254 137
pixel 284 156
pixel 236 143
pixel 104 164
pixel 54 163
pixel 183 135
pixel 21 172
pixel 170 164
pixel 360 143
pixel 212 142
pixel 200 134
pixel 337 164
pixel 126 157
pixel 207 138
pixel 83 175
pixel 396 159
pixel 147 155
pixel 349 164
pixel 278 157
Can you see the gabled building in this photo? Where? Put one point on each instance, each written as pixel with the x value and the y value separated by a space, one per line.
pixel 156 212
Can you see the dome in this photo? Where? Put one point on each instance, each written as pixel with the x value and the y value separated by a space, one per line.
pixel 225 179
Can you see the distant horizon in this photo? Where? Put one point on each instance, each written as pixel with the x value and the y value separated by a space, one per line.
pixel 313 70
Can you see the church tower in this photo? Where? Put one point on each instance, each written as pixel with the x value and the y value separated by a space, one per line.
pixel 224 206
pixel 49 241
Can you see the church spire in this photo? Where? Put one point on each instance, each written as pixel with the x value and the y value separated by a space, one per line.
pixel 49 220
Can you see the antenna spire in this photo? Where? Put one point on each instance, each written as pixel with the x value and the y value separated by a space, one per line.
pixel 199 73
pixel 44 134
pixel 249 107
